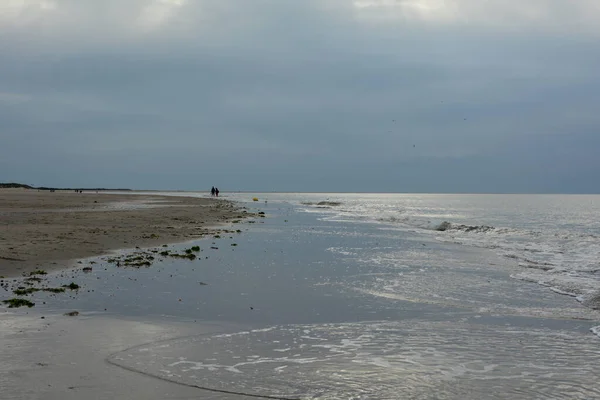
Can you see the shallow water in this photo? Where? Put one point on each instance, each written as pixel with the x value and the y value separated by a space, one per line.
pixel 383 360
pixel 348 308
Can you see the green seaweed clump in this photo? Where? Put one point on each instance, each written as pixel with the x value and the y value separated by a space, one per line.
pixel 18 302
pixel 189 256
pixel 139 264
pixel 24 292
pixel 196 248
pixel 72 286
pixel 54 290
pixel 188 251
pixel 164 253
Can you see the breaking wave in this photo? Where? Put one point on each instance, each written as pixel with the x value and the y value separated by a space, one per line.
pixel 322 203
pixel 551 249
pixel 567 263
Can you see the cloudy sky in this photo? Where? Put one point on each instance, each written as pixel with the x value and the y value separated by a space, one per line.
pixel 302 95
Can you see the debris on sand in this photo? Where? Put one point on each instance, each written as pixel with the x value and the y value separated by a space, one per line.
pixel 72 314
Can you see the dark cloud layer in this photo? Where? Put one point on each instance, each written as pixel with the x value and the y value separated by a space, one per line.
pixel 332 95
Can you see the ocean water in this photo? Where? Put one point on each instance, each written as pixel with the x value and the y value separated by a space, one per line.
pixel 353 296
pixel 555 239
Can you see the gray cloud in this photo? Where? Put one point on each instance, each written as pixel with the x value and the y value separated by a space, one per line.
pixel 313 95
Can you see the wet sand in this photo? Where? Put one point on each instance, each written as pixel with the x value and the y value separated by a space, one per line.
pixel 61 357
pixel 48 230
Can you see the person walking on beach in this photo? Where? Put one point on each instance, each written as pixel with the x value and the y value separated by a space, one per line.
pixel 217 192
pixel 212 191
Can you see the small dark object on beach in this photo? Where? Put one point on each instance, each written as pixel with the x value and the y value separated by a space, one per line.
pixel 196 248
pixel 164 253
pixel 214 248
pixel 38 272
pixel 164 245
pixel 188 251
pixel 444 226
pixel 87 269
pixel 73 313
pixel 234 244
pixel 252 308
pixel 217 236
pixel 261 213
pixel 202 283
pixel 17 302
pixel 239 231
pixel 72 286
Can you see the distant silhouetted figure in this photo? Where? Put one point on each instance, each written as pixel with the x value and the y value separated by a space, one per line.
pixel 212 191
pixel 217 192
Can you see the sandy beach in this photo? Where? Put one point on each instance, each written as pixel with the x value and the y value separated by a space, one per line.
pixel 50 229
pixel 291 303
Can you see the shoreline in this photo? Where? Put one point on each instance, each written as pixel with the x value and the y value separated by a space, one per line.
pixel 52 230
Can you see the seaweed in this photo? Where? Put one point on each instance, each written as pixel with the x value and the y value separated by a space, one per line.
pixel 18 302
pixel 24 292
pixel 72 286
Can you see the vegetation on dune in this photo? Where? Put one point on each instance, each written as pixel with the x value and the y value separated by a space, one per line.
pixel 13 185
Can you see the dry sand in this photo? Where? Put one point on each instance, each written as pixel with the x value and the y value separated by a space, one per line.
pixel 49 230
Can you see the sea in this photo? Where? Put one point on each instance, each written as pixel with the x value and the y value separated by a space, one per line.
pixel 375 296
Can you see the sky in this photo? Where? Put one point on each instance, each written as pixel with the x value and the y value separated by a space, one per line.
pixel 497 96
